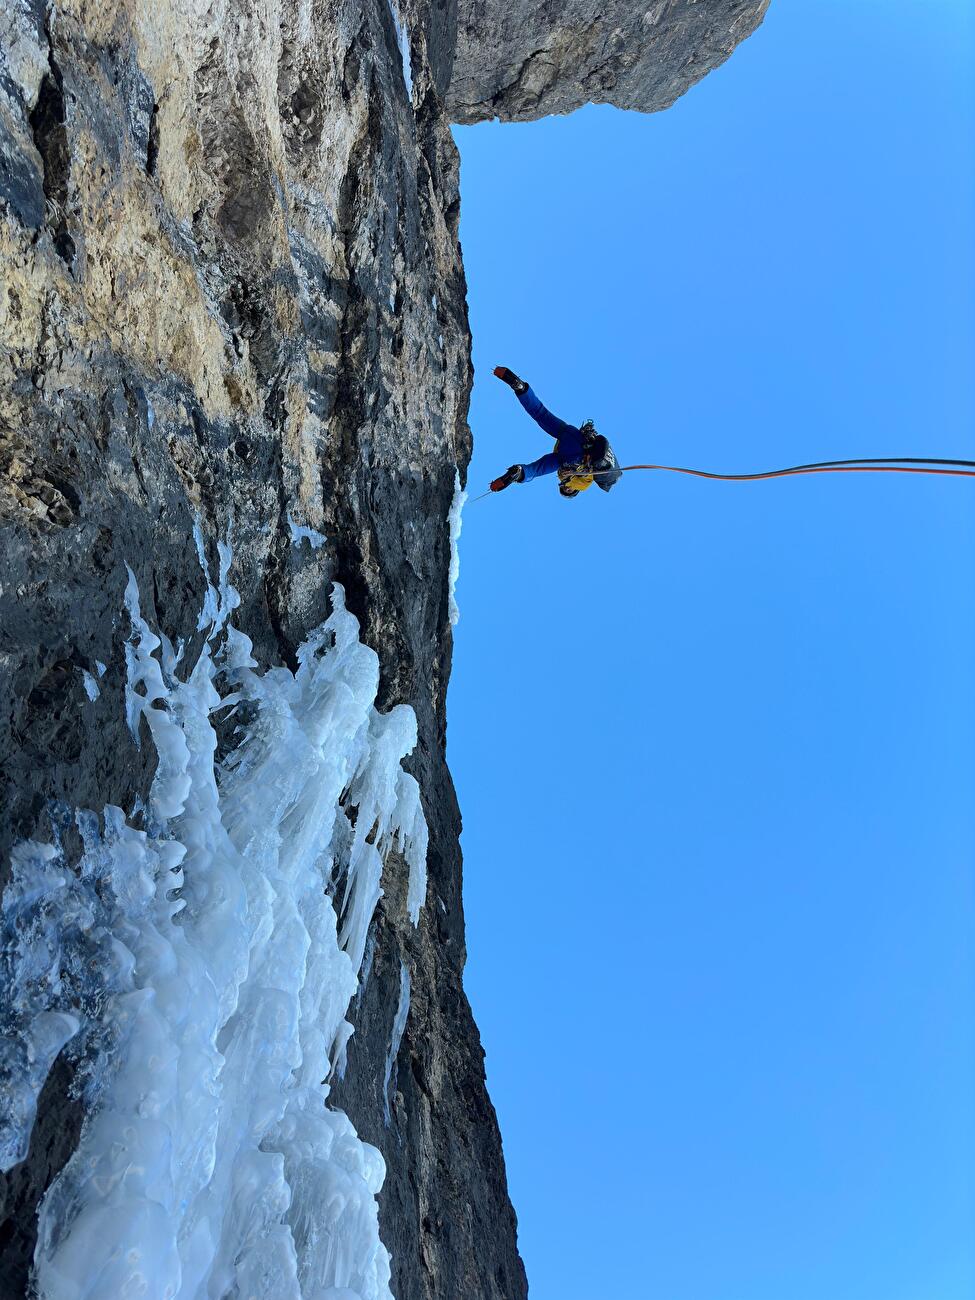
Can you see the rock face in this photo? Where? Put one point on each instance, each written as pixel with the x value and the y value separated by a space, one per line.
pixel 521 62
pixel 232 294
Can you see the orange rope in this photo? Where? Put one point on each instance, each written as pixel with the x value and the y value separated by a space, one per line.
pixel 881 465
pixel 818 469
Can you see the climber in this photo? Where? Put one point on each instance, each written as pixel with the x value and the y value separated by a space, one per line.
pixel 581 455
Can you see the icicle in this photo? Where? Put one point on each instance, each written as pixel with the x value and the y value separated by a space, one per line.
pixel 399 1025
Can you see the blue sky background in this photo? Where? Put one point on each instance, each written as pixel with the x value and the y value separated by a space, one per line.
pixel 714 742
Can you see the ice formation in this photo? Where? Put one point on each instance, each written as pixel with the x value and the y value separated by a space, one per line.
pixel 302 533
pixel 203 962
pixel 396 1037
pixel 92 689
pixel 403 41
pixel 454 527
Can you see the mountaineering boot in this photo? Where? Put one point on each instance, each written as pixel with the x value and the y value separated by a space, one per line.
pixel 511 379
pixel 512 475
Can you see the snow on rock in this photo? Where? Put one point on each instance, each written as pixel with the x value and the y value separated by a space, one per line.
pixel 454 524
pixel 203 962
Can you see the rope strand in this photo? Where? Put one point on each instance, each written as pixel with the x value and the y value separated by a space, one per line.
pixel 861 465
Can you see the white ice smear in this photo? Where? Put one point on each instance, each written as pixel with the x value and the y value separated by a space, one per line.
pixel 396 1037
pixel 209 611
pixel 203 964
pixel 454 527
pixel 92 689
pixel 302 533
pixel 403 41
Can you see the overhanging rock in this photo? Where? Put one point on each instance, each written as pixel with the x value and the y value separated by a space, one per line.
pixel 518 62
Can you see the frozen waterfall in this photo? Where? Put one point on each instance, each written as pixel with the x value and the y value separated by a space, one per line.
pixel 200 960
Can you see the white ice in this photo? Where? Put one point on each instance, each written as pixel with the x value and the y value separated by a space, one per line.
pixel 396 1037
pixel 92 689
pixel 403 41
pixel 203 962
pixel 454 527
pixel 302 533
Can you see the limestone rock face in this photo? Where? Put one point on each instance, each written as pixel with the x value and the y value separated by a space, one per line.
pixel 518 62
pixel 232 291
pixel 232 296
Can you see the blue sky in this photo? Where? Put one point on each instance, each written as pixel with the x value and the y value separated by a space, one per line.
pixel 714 742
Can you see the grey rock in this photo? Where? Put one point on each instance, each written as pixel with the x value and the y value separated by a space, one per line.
pixel 220 254
pixel 519 62
pixel 232 292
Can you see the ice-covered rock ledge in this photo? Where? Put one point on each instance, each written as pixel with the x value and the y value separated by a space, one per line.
pixel 200 961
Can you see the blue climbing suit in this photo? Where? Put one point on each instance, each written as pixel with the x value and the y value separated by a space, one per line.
pixel 568 446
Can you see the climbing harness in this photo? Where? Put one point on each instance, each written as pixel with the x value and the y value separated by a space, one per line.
pixel 576 477
pixel 862 465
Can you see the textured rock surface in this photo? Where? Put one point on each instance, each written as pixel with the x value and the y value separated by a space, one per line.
pixel 520 62
pixel 232 290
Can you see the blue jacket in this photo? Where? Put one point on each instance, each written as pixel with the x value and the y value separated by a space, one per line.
pixel 568 447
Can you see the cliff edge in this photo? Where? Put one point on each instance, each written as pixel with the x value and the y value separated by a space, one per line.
pixel 521 62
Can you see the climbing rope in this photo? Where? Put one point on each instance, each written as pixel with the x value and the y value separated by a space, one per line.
pixel 863 465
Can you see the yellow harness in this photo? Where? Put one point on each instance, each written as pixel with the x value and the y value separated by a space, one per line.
pixel 575 477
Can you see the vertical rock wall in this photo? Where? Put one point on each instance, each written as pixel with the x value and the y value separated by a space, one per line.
pixel 232 292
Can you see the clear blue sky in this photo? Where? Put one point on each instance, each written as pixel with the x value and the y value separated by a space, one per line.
pixel 715 744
